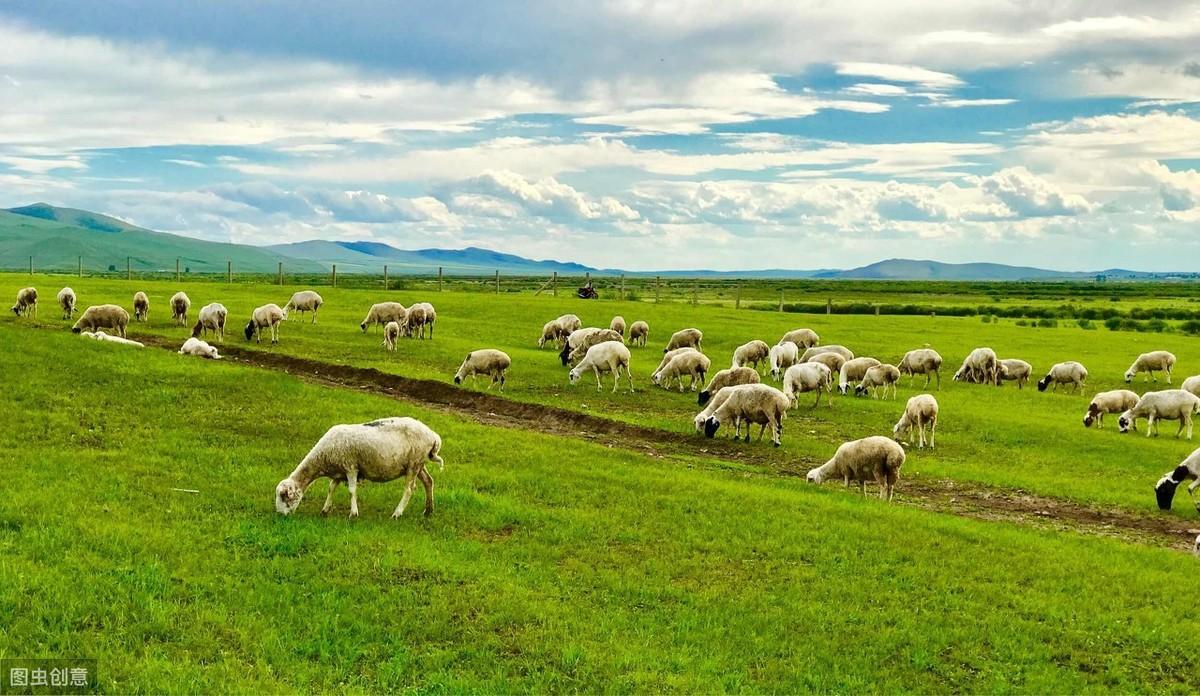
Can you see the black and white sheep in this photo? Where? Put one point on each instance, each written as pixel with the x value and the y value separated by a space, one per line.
pixel 874 458
pixel 639 332
pixel 685 338
pixel 303 301
pixel 267 316
pixel 180 304
pixel 489 362
pixel 920 411
pixel 382 313
pixel 609 356
pixel 1116 401
pixel 211 318
pixel 853 371
pixel 105 316
pixel 750 404
pixel 877 378
pixel 752 353
pixel 1069 372
pixel 1014 370
pixel 1157 360
pixel 806 377
pixel 689 363
pixel 727 378
pixel 922 361
pixel 1169 404
pixel 1164 490
pixel 803 338
pixel 141 306
pixel 66 302
pixel 26 304
pixel 199 348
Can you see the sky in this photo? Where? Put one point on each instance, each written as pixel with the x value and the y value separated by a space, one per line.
pixel 622 133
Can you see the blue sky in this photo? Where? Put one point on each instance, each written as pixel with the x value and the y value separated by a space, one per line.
pixel 643 135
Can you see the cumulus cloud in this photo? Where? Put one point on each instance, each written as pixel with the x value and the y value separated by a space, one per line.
pixel 931 79
pixel 545 197
pixel 1029 195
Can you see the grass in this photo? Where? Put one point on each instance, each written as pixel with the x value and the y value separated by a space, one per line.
pixel 595 571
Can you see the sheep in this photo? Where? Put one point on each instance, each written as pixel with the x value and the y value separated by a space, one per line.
pixel 180 303
pixel 141 306
pixel 99 335
pixel 430 319
pixel 379 451
pixel 692 363
pixel 618 324
pixel 805 377
pixel 920 411
pixel 727 378
pixel 391 332
pixel 717 400
pixel 876 378
pixel 666 360
pixel 782 356
pixel 751 353
pixel 875 458
pixel 1164 490
pixel 199 348
pixel 1192 385
pixel 1117 401
pixel 639 331
pixel 833 361
pixel 66 300
pixel 1170 404
pixel 609 356
pixel 382 313
pixel 684 338
pixel 1070 372
pixel 978 367
pixel 803 338
pixel 489 361
pixel 212 318
pixel 853 371
pixel 1149 362
pixel 303 301
pixel 106 316
pixel 573 341
pixel 1013 370
pixel 594 338
pixel 750 404
pixel 569 323
pixel 557 330
pixel 268 315
pixel 551 333
pixel 922 361
pixel 420 316
pixel 26 302
pixel 843 351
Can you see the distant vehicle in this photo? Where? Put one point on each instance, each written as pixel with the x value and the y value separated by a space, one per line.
pixel 587 292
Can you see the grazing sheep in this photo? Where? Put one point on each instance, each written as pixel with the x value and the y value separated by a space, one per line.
pixel 1164 490
pixel 1013 370
pixel 106 316
pixel 1160 360
pixel 922 361
pixel 551 333
pixel 876 378
pixel 391 332
pixel 141 306
pixel 1170 404
pixel 638 333
pixel 805 377
pixel 920 411
pixel 833 361
pixel 589 340
pixel 199 348
pixel 609 356
pixel 752 353
pixel 575 339
pixel 843 351
pixel 853 371
pixel 1191 384
pixel 692 363
pixel 569 323
pixel 1070 372
pixel 666 359
pixel 874 458
pixel 382 313
pixel 66 300
pixel 803 338
pixel 684 338
pixel 101 336
pixel 557 330
pixel 750 404
pixel 266 316
pixel 212 318
pixel 381 450
pixel 1117 401
pixel 180 303
pixel 618 324
pixel 782 356
pixel 419 316
pixel 26 302
pixel 489 361
pixel 303 301
pixel 979 367
pixel 727 378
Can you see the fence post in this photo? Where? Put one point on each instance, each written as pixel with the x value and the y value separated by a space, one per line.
pixel 176 270
pixel 439 278
pixel 279 276
pixel 781 299
pixel 622 287
pixel 554 284
pixel 80 266
pixel 829 306
pixel 128 269
pixel 656 278
pixel 30 265
pixel 876 310
pixel 333 270
pixel 497 281
pixel 385 283
pixel 737 295
pixel 229 271
pixel 695 283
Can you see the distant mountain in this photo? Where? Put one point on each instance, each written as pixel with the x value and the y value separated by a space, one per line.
pixel 371 256
pixel 908 269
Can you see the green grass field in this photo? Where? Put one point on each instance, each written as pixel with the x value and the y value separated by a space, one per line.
pixel 554 564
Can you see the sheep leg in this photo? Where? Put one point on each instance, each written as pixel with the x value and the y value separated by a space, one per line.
pixel 427 481
pixel 818 401
pixel 352 484
pixel 599 386
pixel 409 485
pixel 629 376
pixel 333 484
pixel 1151 425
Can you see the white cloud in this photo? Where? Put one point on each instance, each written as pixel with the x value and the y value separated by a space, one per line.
pixel 187 163
pixel 1029 195
pixel 43 165
pixel 931 79
pixel 545 197
pixel 959 103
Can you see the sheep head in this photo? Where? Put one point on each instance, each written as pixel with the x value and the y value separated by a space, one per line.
pixel 1125 422
pixel 703 397
pixel 1164 490
pixel 1043 383
pixel 288 495
pixel 1129 375
pixel 710 426
pixel 249 330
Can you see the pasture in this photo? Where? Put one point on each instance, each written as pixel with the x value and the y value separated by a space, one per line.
pixel 557 562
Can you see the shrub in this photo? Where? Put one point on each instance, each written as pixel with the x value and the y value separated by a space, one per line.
pixel 986 319
pixel 1048 323
pixel 1086 324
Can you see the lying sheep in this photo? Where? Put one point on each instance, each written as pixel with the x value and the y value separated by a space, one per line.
pixel 727 378
pixel 381 450
pixel 99 335
pixel 750 404
pixel 26 302
pixel 66 301
pixel 876 378
pixel 618 324
pixel 1116 401
pixel 806 377
pixel 782 356
pixel 853 371
pixel 1159 360
pixel 266 316
pixel 490 362
pixel 752 353
pixel 638 333
pixel 180 303
pixel 391 332
pixel 1013 370
pixel 874 458
pixel 843 351
pixel 1192 385
pixel 691 363
pixel 594 338
pixel 106 316
pixel 803 338
pixel 920 411
pixel 141 306
pixel 684 338
pixel 382 313
pixel 1070 372
pixel 979 367
pixel 419 316
pixel 1164 490
pixel 922 361
pixel 1171 404
pixel 609 356
pixel 833 361
pixel 201 349
pixel 212 318
pixel 303 301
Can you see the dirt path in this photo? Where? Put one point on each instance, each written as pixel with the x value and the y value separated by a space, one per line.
pixel 955 497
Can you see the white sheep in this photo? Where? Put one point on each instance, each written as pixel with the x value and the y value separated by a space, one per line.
pixel 727 378
pixel 201 349
pixel 618 324
pixel 609 356
pixel 752 353
pixel 843 351
pixel 1192 385
pixel 106 316
pixel 99 335
pixel 569 323
pixel 667 358
pixel 685 338
pixel 922 361
pixel 750 404
pixel 382 450
pixel 920 411
pixel 874 458
pixel 1159 360
pixel 574 340
pixel 1069 372
pixel 803 338
pixel 141 306
pixel 266 316
pixel 806 377
pixel 594 338
pixel 782 356
pixel 690 363
pixel 66 300
pixel 180 303
pixel 391 332
pixel 853 371
pixel 1164 490
pixel 420 316
pixel 26 302
pixel 303 301
pixel 1170 404
pixel 489 362
pixel 382 313
pixel 557 330
pixel 978 367
pixel 833 361
pixel 1014 370
pixel 211 318
pixel 639 331
pixel 877 378
pixel 1117 401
